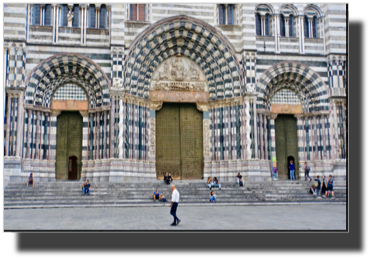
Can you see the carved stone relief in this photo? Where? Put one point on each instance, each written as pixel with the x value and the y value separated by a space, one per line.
pixel 206 138
pixel 179 73
pixel 117 83
pixel 152 137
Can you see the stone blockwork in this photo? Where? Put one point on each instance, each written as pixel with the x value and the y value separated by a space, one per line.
pixel 237 62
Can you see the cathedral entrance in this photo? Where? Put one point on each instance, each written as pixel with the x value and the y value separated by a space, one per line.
pixel 69 145
pixel 179 141
pixel 286 145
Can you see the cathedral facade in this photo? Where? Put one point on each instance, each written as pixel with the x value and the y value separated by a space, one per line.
pixel 123 92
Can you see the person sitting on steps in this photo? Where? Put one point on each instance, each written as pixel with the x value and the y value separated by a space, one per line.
pixel 30 180
pixel 212 197
pixel 239 180
pixel 157 195
pixel 168 178
pixel 86 187
pixel 214 183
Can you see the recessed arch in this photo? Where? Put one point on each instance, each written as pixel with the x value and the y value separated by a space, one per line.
pixel 264 9
pixel 312 9
pixel 54 71
pixel 191 37
pixel 308 82
pixel 287 9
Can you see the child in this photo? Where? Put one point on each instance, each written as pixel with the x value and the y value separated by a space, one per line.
pixel 212 197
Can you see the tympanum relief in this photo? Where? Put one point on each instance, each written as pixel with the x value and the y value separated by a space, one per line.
pixel 180 74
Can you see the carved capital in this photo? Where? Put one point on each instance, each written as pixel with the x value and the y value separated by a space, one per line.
pixel 55 112
pixel 273 116
pixel 203 106
pixel 116 93
pixel 155 105
pixel 84 113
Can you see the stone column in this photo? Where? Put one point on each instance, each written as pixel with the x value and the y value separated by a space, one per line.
pixel 301 34
pixel 112 124
pixel 58 17
pixel 7 137
pixel 38 134
pixel 29 136
pixel 20 122
pixel 84 114
pixel 266 151
pixel 261 136
pixel 98 137
pixel 105 151
pixel 310 25
pixel 333 121
pixel 155 106
pixel 248 126
pixel 272 150
pixel 121 128
pixel 53 134
pixel 255 127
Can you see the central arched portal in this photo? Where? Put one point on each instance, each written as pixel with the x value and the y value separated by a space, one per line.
pixel 179 140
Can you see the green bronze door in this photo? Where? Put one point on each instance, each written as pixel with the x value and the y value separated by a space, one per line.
pixel 69 145
pixel 286 145
pixel 179 141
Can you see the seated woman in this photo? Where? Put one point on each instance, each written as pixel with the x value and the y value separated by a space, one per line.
pixel 215 183
pixel 212 197
pixel 30 180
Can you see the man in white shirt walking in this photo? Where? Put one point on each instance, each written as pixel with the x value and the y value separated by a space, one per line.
pixel 174 205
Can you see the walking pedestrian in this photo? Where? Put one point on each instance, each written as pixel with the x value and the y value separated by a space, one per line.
pixel 174 206
pixel 307 170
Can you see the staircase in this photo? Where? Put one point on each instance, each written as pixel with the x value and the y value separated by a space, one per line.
pixel 69 193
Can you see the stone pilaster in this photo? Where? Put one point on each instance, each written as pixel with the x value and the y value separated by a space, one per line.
pixel 53 134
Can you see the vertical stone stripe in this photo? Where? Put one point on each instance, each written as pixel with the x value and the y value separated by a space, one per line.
pixel 112 130
pixel 42 122
pixel 53 137
pixel 29 138
pixel 239 131
pixel 311 132
pixel 130 138
pixel 225 132
pixel 248 128
pixel 84 138
pixel 315 137
pixel 266 138
pixel 91 136
pixel 147 125
pixel 273 137
pixel 299 138
pixel 34 142
pixel 121 128
pixel 13 127
pixel 98 132
pixel 220 120
pixel 261 137
pixel 25 137
pixel 139 128
pixel 125 136
pixel 105 132
pixel 212 131
pixel 95 139
pixel 328 139
pixel 127 130
pixel 7 140
pixel 255 129
pixel 233 132
pixel 344 130
pixel 38 135
pixel 20 122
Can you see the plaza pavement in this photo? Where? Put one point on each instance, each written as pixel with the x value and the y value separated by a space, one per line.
pixel 204 217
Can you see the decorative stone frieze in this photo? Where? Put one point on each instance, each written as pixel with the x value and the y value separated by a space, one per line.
pixel 203 106
pixel 206 138
pixel 152 137
pixel 155 105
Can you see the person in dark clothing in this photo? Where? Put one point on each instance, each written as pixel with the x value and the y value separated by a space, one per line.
pixel 239 180
pixel 330 186
pixel 157 195
pixel 86 188
pixel 291 168
pixel 317 190
pixel 30 180
pixel 324 187
pixel 307 170
pixel 168 178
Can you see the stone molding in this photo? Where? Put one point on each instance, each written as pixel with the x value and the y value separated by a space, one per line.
pixel 116 93
pixel 55 112
pixel 84 113
pixel 15 93
pixel 135 100
pixel 235 101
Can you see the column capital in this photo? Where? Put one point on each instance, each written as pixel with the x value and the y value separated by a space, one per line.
pixel 116 93
pixel 84 113
pixel 156 105
pixel 273 116
pixel 203 106
pixel 55 112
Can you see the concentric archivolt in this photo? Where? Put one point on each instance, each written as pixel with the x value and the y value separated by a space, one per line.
pixel 61 68
pixel 191 38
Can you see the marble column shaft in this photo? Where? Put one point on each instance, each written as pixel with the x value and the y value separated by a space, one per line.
pixel 112 124
pixel 265 138
pixel 20 120
pixel 7 138
pixel 105 151
pixel 255 128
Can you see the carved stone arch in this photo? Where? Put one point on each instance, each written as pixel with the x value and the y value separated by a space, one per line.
pixel 311 10
pixel 287 9
pixel 264 9
pixel 45 75
pixel 307 80
pixel 203 42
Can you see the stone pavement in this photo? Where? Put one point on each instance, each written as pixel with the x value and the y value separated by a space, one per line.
pixel 205 217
